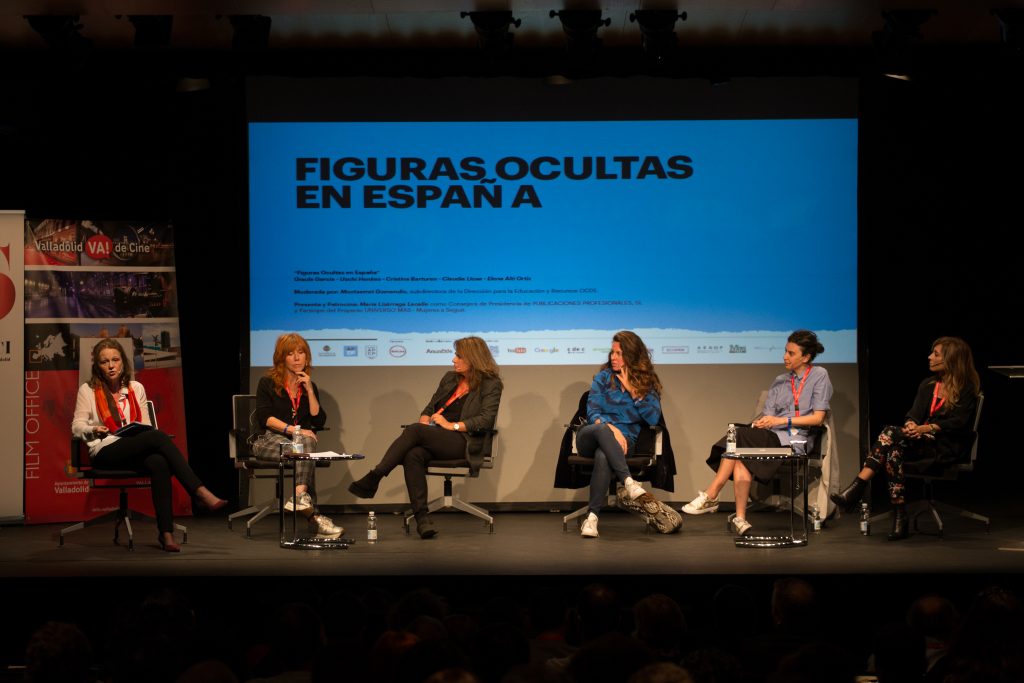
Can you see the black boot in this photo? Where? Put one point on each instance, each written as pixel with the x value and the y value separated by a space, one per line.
pixel 849 498
pixel 425 526
pixel 900 521
pixel 367 486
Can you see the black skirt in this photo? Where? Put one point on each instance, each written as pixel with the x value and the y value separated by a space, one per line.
pixel 750 437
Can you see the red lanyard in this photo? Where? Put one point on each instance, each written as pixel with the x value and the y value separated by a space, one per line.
pixel 117 402
pixel 455 397
pixel 797 392
pixel 936 401
pixel 296 398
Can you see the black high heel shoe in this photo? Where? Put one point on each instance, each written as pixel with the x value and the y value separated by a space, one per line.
pixel 848 498
pixel 900 523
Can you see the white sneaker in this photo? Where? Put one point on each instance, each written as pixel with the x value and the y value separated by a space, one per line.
pixel 305 502
pixel 633 489
pixel 701 504
pixel 324 526
pixel 740 526
pixel 589 528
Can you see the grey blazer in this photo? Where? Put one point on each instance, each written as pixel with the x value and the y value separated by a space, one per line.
pixel 478 413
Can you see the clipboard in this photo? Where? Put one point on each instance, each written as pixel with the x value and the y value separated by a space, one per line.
pixel 133 428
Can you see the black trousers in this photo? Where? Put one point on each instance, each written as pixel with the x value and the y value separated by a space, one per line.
pixel 749 437
pixel 154 455
pixel 413 450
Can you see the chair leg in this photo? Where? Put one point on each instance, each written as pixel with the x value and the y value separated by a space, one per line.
pixel 582 512
pixel 478 512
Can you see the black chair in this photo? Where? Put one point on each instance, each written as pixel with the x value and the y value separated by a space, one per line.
pixel 81 468
pixel 459 468
pixel 646 453
pixel 243 430
pixel 951 472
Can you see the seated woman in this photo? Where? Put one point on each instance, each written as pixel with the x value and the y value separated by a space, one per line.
pixel 937 430
pixel 464 405
pixel 287 401
pixel 797 399
pixel 625 396
pixel 110 400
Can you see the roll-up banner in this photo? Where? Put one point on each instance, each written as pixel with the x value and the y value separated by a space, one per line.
pixel 87 280
pixel 12 341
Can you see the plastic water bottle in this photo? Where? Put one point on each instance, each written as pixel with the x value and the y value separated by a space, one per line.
pixel 296 441
pixel 865 519
pixel 815 519
pixel 730 439
pixel 371 528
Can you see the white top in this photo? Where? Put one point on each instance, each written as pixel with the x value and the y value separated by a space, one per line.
pixel 87 417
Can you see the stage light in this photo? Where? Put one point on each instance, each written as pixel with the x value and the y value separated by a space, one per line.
pixel 252 32
pixel 895 43
pixel 152 30
pixel 657 31
pixel 492 30
pixel 59 31
pixel 580 26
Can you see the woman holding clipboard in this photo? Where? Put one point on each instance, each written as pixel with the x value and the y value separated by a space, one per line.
pixel 464 404
pixel 108 411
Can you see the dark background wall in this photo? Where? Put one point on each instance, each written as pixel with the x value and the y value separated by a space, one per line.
pixel 107 134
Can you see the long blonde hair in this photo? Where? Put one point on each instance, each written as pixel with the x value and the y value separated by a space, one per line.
pixel 959 373
pixel 475 351
pixel 287 343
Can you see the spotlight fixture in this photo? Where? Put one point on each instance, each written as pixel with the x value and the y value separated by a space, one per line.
pixel 657 31
pixel 492 29
pixel 894 44
pixel 252 32
pixel 59 31
pixel 152 30
pixel 580 26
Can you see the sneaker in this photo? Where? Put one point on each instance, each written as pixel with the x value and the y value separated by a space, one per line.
pixel 324 526
pixel 633 489
pixel 589 528
pixel 701 504
pixel 740 526
pixel 305 502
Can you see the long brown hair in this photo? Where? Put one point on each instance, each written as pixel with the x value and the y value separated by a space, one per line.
pixel 126 364
pixel 286 343
pixel 475 351
pixel 638 360
pixel 959 373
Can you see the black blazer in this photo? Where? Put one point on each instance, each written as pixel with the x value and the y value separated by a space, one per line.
pixel 479 411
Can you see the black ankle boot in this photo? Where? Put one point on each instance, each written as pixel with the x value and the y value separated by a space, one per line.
pixel 849 498
pixel 367 486
pixel 425 526
pixel 900 525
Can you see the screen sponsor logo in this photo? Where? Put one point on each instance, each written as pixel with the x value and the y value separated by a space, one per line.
pixel 541 349
pixel 370 351
pixel 396 351
pixel 710 348
pixel 517 349
pixel 350 351
pixel 737 348
pixel 670 350
pixel 575 349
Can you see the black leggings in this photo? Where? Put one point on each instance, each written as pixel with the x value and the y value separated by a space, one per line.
pixel 413 450
pixel 152 454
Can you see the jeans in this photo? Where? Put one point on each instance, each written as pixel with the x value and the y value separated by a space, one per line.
pixel 598 442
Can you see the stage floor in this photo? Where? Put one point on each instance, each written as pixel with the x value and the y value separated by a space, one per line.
pixel 523 543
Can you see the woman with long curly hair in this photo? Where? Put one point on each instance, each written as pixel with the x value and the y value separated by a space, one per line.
pixel 938 429
pixel 797 400
pixel 625 396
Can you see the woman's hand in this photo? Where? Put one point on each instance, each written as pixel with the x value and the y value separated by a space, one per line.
pixel 623 444
pixel 623 377
pixel 424 419
pixel 768 422
pixel 99 431
pixel 307 432
pixel 439 419
pixel 915 431
pixel 304 381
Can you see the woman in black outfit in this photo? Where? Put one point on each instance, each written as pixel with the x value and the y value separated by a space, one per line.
pixel 938 429
pixel 450 427
pixel 287 401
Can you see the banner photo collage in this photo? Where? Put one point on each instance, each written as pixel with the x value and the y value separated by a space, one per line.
pixel 86 281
